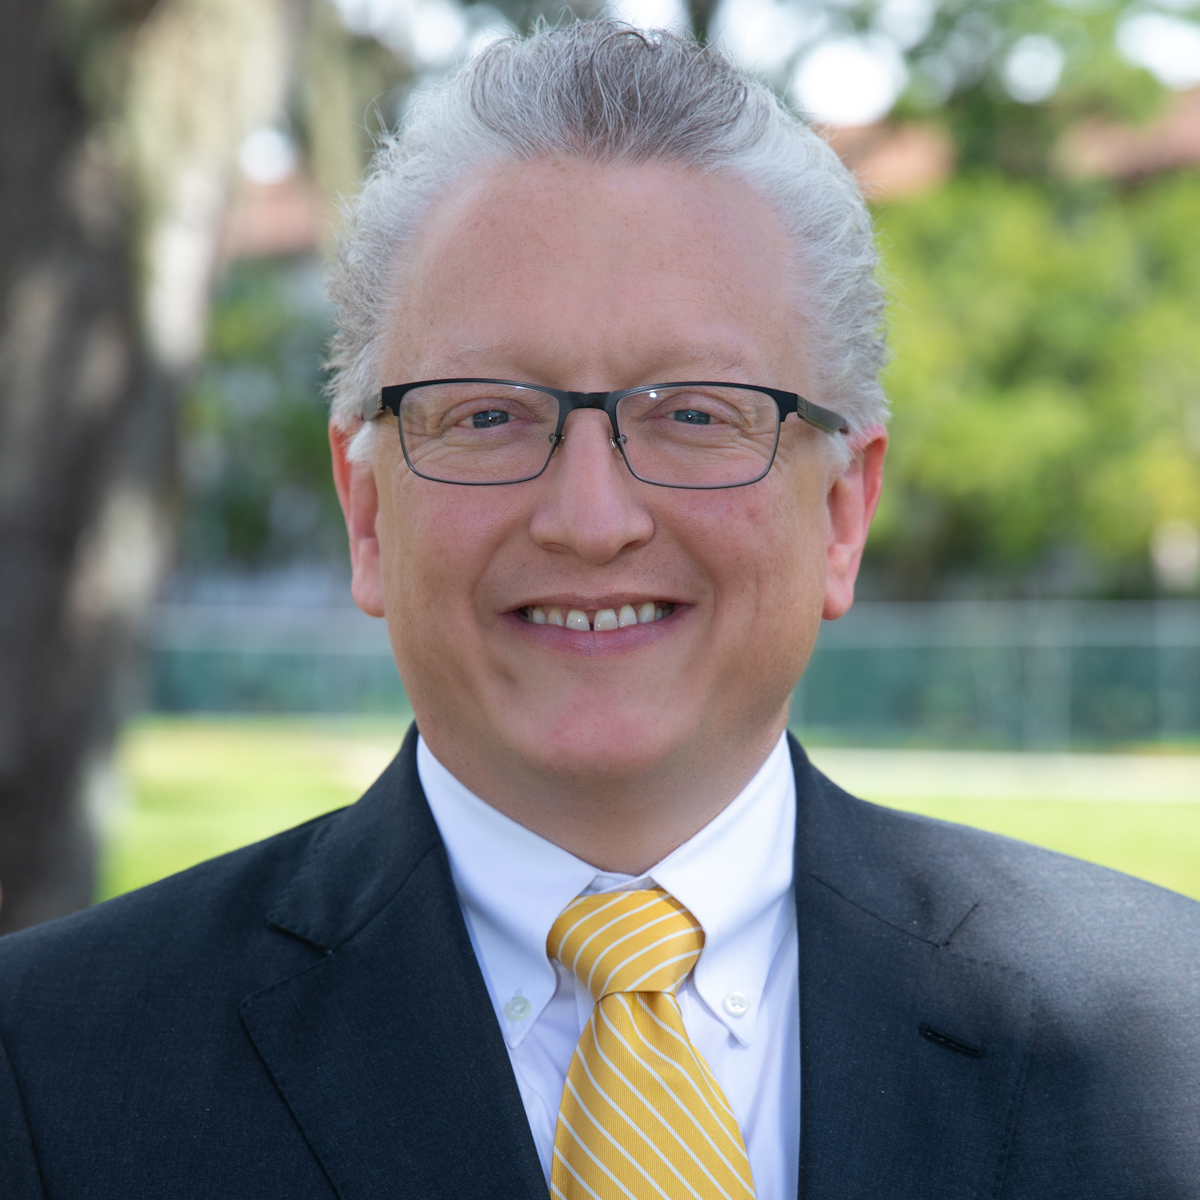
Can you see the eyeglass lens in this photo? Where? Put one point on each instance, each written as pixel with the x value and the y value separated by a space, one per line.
pixel 681 436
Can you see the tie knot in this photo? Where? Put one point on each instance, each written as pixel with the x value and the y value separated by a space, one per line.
pixel 642 941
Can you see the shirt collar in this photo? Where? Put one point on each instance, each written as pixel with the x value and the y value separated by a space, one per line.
pixel 734 876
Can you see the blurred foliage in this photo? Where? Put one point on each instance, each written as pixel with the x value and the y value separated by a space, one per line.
pixel 958 69
pixel 255 459
pixel 1046 390
pixel 991 129
pixel 349 90
pixel 1046 386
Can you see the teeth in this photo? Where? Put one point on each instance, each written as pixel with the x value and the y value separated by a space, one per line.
pixel 606 619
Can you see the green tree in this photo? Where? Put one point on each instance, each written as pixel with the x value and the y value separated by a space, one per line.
pixel 255 455
pixel 1046 385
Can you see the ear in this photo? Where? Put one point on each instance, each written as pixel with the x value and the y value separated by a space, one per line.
pixel 852 500
pixel 357 494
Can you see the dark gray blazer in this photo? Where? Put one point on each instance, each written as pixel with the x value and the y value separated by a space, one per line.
pixel 305 1018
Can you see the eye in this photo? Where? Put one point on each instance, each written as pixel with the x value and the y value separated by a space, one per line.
pixel 489 419
pixel 691 416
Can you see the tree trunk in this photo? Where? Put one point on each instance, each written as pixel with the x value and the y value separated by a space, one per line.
pixel 84 436
pixel 90 369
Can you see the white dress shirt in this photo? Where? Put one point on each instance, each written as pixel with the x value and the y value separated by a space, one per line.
pixel 740 1005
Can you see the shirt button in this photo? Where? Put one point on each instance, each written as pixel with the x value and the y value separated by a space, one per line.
pixel 517 1009
pixel 735 1004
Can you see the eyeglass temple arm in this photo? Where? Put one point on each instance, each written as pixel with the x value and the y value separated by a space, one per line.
pixel 814 414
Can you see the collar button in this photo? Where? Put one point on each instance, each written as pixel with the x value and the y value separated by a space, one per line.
pixel 518 1008
pixel 736 1004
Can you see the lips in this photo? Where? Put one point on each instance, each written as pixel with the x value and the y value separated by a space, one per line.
pixel 601 620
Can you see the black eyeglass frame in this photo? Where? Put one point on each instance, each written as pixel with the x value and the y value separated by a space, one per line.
pixel 568 402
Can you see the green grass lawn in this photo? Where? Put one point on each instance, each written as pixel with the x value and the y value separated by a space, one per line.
pixel 197 787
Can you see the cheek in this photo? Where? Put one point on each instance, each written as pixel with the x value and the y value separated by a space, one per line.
pixel 790 552
pixel 764 546
pixel 425 566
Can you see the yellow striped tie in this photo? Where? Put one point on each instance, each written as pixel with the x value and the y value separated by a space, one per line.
pixel 641 1116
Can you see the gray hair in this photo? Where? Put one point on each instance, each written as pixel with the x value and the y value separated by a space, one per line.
pixel 605 92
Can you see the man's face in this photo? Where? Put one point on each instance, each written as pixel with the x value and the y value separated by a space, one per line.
pixel 594 278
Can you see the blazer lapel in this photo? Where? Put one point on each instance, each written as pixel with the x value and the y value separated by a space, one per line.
pixel 386 1049
pixel 911 1054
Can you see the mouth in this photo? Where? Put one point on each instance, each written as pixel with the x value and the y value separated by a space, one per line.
pixel 600 620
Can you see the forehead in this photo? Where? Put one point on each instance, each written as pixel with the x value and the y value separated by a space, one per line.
pixel 596 276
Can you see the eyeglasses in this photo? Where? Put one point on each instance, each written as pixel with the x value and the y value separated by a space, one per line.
pixel 483 432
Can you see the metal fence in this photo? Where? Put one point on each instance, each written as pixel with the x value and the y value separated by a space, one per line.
pixel 269 659
pixel 1035 674
pixel 988 674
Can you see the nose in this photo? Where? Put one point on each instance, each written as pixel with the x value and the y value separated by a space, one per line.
pixel 591 505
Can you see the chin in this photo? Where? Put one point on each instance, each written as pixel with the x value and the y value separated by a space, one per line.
pixel 602 746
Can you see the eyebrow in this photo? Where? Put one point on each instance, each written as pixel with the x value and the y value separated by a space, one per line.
pixel 485 355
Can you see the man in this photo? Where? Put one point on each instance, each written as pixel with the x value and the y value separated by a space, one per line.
pixel 600 927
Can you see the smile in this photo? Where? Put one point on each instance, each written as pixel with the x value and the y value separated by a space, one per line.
pixel 602 620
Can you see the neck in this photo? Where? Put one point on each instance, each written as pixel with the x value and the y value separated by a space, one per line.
pixel 619 823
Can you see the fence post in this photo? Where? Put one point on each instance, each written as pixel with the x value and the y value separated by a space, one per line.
pixel 1047 670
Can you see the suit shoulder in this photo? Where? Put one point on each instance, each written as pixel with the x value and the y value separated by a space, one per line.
pixel 993 895
pixel 215 903
pixel 1017 867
